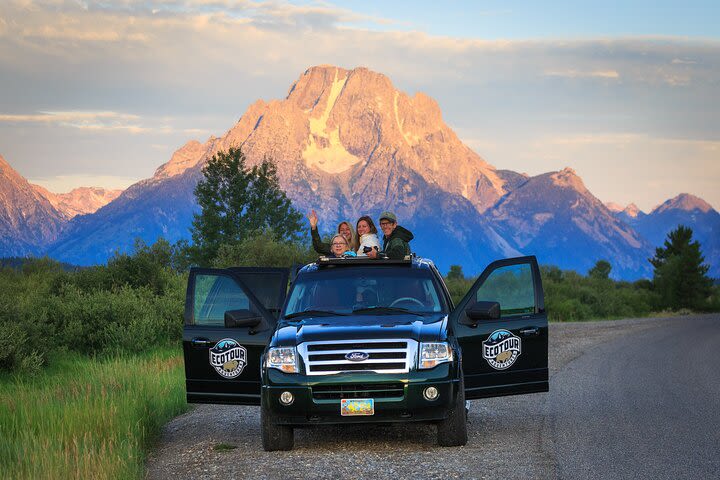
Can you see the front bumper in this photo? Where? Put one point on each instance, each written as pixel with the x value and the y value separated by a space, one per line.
pixel 408 406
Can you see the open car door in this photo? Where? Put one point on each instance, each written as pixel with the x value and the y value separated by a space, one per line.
pixel 230 315
pixel 505 350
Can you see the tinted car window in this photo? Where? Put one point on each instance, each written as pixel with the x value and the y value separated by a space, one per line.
pixel 512 287
pixel 214 295
pixel 348 289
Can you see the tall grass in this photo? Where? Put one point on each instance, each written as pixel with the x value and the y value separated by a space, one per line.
pixel 88 418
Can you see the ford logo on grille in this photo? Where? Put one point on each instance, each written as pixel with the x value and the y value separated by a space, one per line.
pixel 357 356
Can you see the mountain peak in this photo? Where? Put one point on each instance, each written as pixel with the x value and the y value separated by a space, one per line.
pixel 27 219
pixel 78 201
pixel 339 127
pixel 685 202
pixel 185 157
pixel 632 210
pixel 567 178
pixel 614 207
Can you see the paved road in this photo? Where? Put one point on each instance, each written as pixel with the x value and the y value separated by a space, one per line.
pixel 628 399
pixel 645 404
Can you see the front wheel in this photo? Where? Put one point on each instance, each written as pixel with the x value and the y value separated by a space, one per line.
pixel 452 432
pixel 274 437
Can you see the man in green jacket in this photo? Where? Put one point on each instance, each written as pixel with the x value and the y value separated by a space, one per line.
pixel 396 238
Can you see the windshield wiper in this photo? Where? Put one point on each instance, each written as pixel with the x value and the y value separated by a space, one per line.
pixel 388 310
pixel 318 313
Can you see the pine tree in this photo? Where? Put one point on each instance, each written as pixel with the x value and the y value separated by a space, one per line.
pixel 680 276
pixel 601 270
pixel 237 202
pixel 456 273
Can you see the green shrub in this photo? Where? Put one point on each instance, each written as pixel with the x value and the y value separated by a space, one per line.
pixel 458 287
pixel 133 303
pixel 570 296
pixel 16 350
pixel 123 319
pixel 263 250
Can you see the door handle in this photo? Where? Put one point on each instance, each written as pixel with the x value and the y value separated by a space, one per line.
pixel 200 342
pixel 526 332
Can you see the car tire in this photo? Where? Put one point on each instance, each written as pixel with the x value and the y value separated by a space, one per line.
pixel 274 437
pixel 452 432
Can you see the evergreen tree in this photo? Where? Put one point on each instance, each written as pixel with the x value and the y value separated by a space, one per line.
pixel 237 202
pixel 456 273
pixel 601 270
pixel 680 276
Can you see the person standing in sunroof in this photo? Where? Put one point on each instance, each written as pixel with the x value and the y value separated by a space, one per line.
pixel 395 238
pixel 367 236
pixel 344 228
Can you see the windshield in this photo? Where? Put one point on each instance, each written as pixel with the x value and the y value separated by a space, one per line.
pixel 365 290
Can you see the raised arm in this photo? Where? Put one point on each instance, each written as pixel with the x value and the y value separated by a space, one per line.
pixel 320 247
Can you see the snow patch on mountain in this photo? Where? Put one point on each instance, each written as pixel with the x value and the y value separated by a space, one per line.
pixel 324 149
pixel 410 138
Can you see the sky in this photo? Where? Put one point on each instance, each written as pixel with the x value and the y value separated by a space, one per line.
pixel 625 93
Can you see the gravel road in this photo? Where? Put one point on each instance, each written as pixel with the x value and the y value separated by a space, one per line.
pixel 613 409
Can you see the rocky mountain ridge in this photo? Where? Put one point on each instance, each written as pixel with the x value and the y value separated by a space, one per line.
pixel 28 221
pixel 683 209
pixel 79 201
pixel 556 214
pixel 347 143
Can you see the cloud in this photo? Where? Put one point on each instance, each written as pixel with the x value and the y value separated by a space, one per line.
pixel 578 74
pixel 66 117
pixel 618 139
pixel 100 121
pixel 594 139
pixel 176 42
pixel 260 14
pixel 197 131
pixel 682 61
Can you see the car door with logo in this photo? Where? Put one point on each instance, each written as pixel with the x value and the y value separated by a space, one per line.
pixel 230 315
pixel 505 350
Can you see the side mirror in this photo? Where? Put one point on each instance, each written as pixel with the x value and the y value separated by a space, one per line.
pixel 241 318
pixel 482 311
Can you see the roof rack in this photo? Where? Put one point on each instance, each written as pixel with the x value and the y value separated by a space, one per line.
pixel 324 261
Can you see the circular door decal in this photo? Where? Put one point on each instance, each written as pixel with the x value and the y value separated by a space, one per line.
pixel 228 358
pixel 501 349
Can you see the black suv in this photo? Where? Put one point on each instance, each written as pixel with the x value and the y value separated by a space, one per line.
pixel 360 341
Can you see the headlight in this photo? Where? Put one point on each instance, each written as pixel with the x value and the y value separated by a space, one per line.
pixel 282 358
pixel 433 354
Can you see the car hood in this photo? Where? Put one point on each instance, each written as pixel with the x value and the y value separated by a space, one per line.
pixel 361 327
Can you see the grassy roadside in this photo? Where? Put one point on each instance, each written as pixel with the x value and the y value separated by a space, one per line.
pixel 88 418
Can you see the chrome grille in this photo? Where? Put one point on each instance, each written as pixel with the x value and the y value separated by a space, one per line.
pixel 359 390
pixel 384 356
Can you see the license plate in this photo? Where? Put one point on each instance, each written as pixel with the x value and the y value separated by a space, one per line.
pixel 357 406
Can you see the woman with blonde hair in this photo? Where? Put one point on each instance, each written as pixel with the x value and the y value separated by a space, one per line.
pixel 344 228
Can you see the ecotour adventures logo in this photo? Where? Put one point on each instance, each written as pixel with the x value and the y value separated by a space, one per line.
pixel 501 349
pixel 228 358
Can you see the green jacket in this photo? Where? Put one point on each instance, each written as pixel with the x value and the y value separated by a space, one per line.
pixel 396 246
pixel 320 247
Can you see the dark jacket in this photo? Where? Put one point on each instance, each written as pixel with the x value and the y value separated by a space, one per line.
pixel 320 247
pixel 396 246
